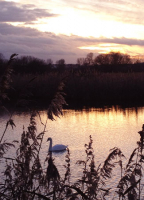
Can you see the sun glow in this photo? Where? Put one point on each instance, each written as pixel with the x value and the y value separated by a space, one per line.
pixel 71 21
pixel 85 23
pixel 105 48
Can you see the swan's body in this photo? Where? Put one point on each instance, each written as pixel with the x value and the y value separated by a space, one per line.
pixel 57 147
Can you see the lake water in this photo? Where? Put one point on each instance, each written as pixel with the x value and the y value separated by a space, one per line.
pixel 109 127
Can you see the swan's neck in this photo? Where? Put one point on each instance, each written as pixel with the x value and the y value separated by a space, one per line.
pixel 50 146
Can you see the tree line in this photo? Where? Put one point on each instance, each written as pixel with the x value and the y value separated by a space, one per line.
pixel 110 62
pixel 111 58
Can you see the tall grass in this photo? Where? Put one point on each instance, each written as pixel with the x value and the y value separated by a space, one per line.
pixel 86 87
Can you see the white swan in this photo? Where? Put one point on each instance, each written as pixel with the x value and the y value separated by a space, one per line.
pixel 57 147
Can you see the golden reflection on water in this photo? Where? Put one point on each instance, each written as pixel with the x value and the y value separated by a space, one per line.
pixel 109 127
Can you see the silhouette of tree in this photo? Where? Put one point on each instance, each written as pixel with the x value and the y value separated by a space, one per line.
pixel 112 58
pixel 49 61
pixel 86 61
pixel 2 58
pixel 2 63
pixel 49 64
pixel 60 64
pixel 89 59
pixel 138 61
pixel 29 64
pixel 101 59
pixel 81 61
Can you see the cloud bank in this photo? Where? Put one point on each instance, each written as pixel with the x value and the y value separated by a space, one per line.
pixel 28 41
pixel 15 12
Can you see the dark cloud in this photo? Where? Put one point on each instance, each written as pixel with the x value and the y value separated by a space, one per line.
pixel 7 29
pixel 122 40
pixel 28 41
pixel 14 12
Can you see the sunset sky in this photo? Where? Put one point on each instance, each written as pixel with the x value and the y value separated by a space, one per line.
pixel 71 29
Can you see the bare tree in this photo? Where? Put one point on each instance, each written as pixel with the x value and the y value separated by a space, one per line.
pixel 89 59
pixel 86 61
pixel 60 64
pixel 112 58
pixel 101 59
pixel 49 61
pixel 80 61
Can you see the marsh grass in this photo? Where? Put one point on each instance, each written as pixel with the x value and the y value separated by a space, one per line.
pixel 25 178
pixel 85 87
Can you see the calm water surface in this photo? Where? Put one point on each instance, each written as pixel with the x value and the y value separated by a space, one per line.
pixel 110 127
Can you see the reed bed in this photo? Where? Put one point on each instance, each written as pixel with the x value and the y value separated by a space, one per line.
pixel 86 88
